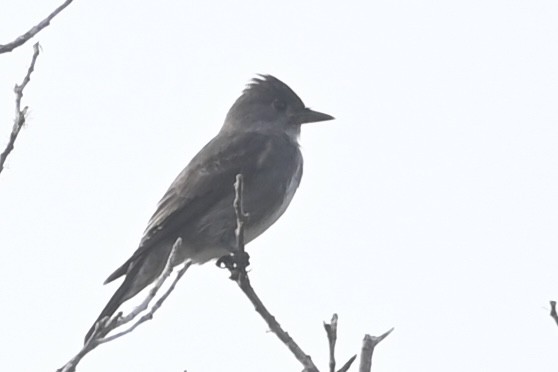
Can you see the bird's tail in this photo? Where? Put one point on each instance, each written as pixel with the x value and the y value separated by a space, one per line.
pixel 114 303
pixel 140 273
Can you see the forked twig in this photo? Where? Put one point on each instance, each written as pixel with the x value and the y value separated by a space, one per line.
pixel 106 325
pixel 331 330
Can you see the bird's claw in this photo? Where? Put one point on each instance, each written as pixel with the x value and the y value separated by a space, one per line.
pixel 234 261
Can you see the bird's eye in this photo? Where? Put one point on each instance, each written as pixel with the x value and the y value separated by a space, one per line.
pixel 279 105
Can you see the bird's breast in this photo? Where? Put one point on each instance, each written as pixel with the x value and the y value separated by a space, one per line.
pixel 274 198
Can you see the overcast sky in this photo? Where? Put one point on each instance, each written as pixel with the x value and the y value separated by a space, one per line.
pixel 430 204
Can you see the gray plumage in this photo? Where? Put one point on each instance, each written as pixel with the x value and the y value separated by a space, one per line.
pixel 259 139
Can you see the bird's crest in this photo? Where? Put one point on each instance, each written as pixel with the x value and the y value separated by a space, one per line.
pixel 268 87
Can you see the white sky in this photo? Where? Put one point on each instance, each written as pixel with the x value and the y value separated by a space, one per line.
pixel 430 204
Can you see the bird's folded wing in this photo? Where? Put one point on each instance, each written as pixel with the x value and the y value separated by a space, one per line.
pixel 204 182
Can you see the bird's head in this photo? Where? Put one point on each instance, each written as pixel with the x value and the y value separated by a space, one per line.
pixel 269 105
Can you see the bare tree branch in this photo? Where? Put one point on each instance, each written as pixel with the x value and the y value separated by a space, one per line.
pixel 238 273
pixel 237 267
pixel 239 211
pixel 368 345
pixel 348 365
pixel 20 40
pixel 155 307
pixel 331 330
pixel 19 120
pixel 107 325
pixel 244 284
pixel 553 313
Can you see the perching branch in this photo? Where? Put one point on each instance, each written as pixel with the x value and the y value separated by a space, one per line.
pixel 106 325
pixel 19 120
pixel 237 263
pixel 553 313
pixel 238 273
pixel 20 40
pixel 244 284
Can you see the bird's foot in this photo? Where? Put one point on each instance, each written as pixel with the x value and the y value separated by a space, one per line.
pixel 236 262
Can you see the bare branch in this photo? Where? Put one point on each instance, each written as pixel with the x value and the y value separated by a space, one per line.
pixel 553 312
pixel 241 277
pixel 154 308
pixel 107 325
pixel 237 268
pixel 241 215
pixel 72 364
pixel 244 284
pixel 348 365
pixel 368 345
pixel 19 120
pixel 331 330
pixel 20 40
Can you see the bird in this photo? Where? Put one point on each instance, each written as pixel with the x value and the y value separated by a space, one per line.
pixel 259 139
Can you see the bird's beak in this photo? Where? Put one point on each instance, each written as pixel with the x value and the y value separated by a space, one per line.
pixel 309 116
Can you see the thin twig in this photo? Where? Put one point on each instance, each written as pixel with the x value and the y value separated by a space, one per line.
pixel 167 270
pixel 72 364
pixel 238 273
pixel 20 40
pixel 244 283
pixel 348 365
pixel 107 325
pixel 553 312
pixel 301 356
pixel 241 215
pixel 331 330
pixel 368 345
pixel 19 120
pixel 154 308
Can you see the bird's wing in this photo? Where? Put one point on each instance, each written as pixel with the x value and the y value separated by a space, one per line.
pixel 204 182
